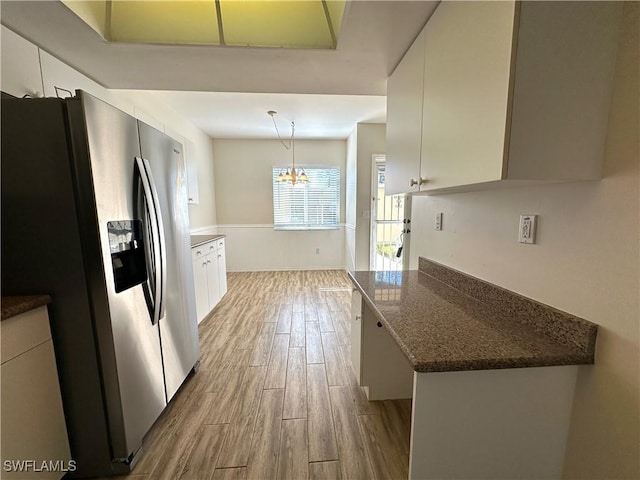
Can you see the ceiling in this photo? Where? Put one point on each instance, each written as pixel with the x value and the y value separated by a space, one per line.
pixel 226 91
pixel 275 23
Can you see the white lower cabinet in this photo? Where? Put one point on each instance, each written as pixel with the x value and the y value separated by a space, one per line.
pixel 34 432
pixel 356 332
pixel 209 275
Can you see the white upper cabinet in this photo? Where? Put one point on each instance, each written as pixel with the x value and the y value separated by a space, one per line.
pixel 466 88
pixel 513 92
pixel 404 122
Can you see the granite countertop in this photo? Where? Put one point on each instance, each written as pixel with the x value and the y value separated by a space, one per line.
pixel 12 306
pixel 200 239
pixel 445 320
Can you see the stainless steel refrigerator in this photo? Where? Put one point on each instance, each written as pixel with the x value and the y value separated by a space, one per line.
pixel 94 213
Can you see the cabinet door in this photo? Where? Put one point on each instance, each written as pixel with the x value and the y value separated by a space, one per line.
pixel 468 48
pixel 222 268
pixel 213 280
pixel 404 121
pixel 356 331
pixel 33 424
pixel 201 288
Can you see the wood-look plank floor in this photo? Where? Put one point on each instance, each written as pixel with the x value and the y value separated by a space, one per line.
pixel 275 396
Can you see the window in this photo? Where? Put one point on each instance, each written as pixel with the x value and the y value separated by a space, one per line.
pixel 307 206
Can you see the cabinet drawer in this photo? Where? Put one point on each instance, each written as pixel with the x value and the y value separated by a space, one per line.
pixel 211 246
pixel 24 332
pixel 199 252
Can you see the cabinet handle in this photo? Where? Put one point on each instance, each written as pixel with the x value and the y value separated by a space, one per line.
pixel 219 256
pixel 204 264
pixel 379 325
pixel 358 317
pixel 191 199
pixel 422 181
pixel 208 261
pixel 198 252
pixel 413 182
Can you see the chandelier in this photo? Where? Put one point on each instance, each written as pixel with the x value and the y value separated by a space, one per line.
pixel 290 175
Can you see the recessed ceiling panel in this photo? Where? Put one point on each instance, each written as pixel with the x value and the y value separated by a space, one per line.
pixel 336 12
pixel 167 22
pixel 297 24
pixel 93 12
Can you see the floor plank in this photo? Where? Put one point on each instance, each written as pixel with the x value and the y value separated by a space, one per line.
pixel 315 353
pixel 236 446
pixel 336 372
pixel 399 425
pixel 293 463
pixel 354 462
pixel 284 320
pixel 230 474
pixel 265 447
pixel 383 455
pixel 295 393
pixel 181 440
pixel 227 389
pixel 262 349
pixel 277 371
pixel 362 403
pixel 325 471
pixel 297 330
pixel 322 437
pixel 203 457
pixel 324 318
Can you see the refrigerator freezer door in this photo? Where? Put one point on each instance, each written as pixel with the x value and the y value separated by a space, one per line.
pixel 139 397
pixel 178 328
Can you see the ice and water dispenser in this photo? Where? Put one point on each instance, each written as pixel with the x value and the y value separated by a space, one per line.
pixel 127 253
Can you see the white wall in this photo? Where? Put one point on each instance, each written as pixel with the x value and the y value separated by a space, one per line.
pixel 370 141
pixel 29 70
pixel 350 201
pixel 244 199
pixel 198 151
pixel 586 262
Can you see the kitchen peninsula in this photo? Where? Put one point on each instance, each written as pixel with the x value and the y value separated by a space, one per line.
pixel 491 373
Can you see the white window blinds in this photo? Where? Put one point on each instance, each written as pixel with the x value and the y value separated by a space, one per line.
pixel 307 206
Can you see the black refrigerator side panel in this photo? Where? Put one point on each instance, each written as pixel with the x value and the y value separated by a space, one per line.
pixel 42 252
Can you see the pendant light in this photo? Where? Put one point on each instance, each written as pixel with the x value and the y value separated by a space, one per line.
pixel 291 175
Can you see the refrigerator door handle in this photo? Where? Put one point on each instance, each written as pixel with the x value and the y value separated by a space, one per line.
pixel 162 243
pixel 149 212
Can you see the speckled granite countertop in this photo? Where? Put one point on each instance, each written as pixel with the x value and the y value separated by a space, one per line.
pixel 12 306
pixel 445 320
pixel 200 239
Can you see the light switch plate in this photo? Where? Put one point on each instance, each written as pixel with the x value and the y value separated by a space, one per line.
pixel 438 224
pixel 527 229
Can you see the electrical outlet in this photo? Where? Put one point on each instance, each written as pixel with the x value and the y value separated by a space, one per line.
pixel 438 224
pixel 527 230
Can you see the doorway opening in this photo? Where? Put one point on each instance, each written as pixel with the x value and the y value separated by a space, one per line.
pixel 390 227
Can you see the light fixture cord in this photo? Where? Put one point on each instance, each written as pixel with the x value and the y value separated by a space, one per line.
pixel 278 132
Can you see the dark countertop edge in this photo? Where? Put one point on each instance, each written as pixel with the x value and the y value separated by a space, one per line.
pixel 199 239
pixel 574 358
pixel 15 305
pixel 502 363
